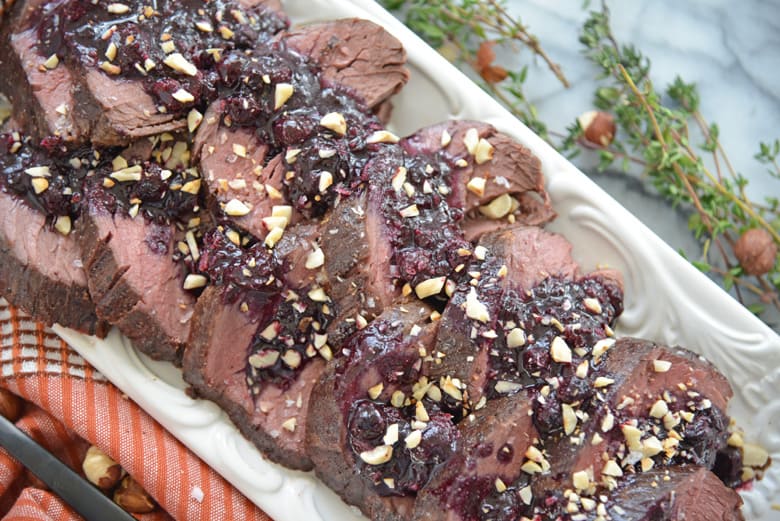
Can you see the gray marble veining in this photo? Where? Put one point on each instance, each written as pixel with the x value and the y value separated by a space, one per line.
pixel 730 49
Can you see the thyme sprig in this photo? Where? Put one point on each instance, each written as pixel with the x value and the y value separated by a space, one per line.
pixel 465 30
pixel 681 155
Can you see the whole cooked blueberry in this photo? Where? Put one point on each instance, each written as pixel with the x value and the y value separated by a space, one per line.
pixel 367 422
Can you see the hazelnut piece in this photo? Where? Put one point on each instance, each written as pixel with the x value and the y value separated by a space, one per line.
pixel 756 251
pixel 131 497
pixel 10 405
pixel 101 470
pixel 598 127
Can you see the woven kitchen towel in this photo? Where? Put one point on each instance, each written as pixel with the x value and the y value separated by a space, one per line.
pixel 72 406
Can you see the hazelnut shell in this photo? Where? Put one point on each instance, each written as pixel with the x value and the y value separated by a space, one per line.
pixel 101 470
pixel 598 127
pixel 756 252
pixel 133 498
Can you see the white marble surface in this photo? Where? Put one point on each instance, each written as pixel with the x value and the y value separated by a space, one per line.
pixel 731 49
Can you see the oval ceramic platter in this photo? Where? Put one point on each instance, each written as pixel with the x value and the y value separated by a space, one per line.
pixel 667 300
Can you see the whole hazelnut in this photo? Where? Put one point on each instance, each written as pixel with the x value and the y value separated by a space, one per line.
pixel 598 127
pixel 101 470
pixel 133 498
pixel 756 251
pixel 10 405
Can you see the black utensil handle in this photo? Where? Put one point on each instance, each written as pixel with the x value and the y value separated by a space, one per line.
pixel 84 498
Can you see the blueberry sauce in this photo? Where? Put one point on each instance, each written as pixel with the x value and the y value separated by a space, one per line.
pixel 136 40
pixel 284 344
pixel 314 148
pixel 246 273
pixel 43 176
pixel 476 499
pixel 578 312
pixel 408 469
pixel 423 228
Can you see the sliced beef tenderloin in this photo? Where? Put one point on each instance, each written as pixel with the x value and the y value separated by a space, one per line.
pixel 687 492
pixel 482 337
pixel 273 130
pixel 135 282
pixel 259 341
pixel 137 224
pixel 40 269
pixel 370 434
pixel 485 479
pixel 119 111
pixel 356 54
pixel 40 90
pixel 97 75
pixel 216 364
pixel 357 256
pixel 235 167
pixel 682 492
pixel 644 406
pixel 495 180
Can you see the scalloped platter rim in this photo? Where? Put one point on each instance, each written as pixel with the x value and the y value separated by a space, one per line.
pixel 667 300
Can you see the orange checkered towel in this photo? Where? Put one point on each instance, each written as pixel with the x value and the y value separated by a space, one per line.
pixel 69 406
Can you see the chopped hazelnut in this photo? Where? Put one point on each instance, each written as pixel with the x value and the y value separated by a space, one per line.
pixel 476 186
pixel 63 224
pixel 193 281
pixel 194 119
pixel 413 439
pixel 263 359
pixel 375 391
pixel 315 259
pixel 498 208
pixel 282 93
pixel 611 468
pixel 378 455
pixel 334 121
pixel 180 64
pixel 515 338
pixel 382 136
pixel 560 351
pixel 471 139
pixel 483 152
pixel 661 366
pixel 236 208
pixel 569 418
pixel 430 287
pixel 475 309
pixel 326 180
pixel 290 424
pixel 117 8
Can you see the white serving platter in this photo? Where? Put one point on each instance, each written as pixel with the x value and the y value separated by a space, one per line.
pixel 667 300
